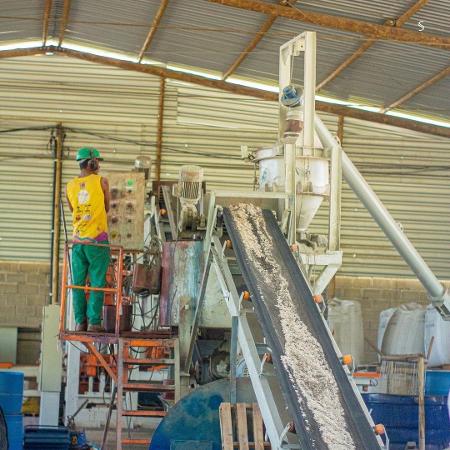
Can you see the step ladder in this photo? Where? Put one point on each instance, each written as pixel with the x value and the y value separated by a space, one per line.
pixel 126 364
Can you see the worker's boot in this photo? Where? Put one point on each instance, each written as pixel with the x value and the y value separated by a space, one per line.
pixel 95 328
pixel 81 326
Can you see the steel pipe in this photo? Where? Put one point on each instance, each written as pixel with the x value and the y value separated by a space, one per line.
pixel 436 291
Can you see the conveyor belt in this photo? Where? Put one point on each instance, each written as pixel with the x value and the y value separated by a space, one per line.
pixel 263 297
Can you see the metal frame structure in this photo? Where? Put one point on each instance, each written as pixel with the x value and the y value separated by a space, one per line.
pixel 122 361
pixel 438 294
pixel 306 43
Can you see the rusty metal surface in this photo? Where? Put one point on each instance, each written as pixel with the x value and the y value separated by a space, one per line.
pixel 182 264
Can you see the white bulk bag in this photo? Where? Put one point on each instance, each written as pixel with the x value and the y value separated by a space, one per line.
pixel 404 333
pixel 436 326
pixel 346 326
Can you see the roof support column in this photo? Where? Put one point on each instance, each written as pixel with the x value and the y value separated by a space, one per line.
pixel 160 131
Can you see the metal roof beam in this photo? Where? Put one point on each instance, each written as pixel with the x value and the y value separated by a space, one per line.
pixel 153 28
pixel 251 46
pixel 45 20
pixel 233 88
pixel 366 45
pixel 434 79
pixel 64 21
pixel 374 30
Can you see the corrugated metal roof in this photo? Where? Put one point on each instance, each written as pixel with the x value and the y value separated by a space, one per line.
pixel 21 20
pixel 366 10
pixel 388 70
pixel 120 28
pixel 203 35
pixel 436 95
pixel 332 48
pixel 434 17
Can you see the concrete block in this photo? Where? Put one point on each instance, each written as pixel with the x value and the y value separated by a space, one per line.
pixel 384 283
pixel 33 322
pixel 12 300
pixel 9 288
pixel 10 319
pixel 24 310
pixel 36 278
pixel 31 267
pixel 407 296
pixel 44 290
pixel 9 266
pixel 36 300
pixel 28 288
pixel 351 294
pixel 362 282
pixel 404 283
pixel 342 281
pixel 15 277
pixel 372 293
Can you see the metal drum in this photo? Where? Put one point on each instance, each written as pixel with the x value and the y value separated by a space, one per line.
pixel 11 399
pixel 14 425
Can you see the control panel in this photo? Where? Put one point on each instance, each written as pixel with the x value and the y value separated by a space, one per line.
pixel 126 212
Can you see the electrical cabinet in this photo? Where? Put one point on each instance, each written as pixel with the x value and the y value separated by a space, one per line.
pixel 126 212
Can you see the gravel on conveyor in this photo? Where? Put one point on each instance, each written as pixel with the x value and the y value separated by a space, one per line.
pixel 303 357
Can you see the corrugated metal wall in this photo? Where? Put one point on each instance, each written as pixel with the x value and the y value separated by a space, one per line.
pixel 117 112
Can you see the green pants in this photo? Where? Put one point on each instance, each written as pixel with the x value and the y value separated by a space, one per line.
pixel 92 261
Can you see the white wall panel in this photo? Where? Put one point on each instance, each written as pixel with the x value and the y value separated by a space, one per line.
pixel 116 111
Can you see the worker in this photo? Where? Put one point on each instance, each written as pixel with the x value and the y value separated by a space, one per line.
pixel 89 199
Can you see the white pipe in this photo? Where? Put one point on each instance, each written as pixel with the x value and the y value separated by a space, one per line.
pixel 309 83
pixel 386 222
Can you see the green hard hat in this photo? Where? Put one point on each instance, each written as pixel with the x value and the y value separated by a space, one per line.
pixel 88 153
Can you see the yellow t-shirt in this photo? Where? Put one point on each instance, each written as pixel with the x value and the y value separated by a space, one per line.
pixel 88 202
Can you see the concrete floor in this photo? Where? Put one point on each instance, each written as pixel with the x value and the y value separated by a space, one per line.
pixel 95 437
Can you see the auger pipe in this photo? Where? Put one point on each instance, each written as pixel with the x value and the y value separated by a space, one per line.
pixel 437 293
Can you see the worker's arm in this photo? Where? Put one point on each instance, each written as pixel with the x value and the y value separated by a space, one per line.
pixel 105 188
pixel 68 202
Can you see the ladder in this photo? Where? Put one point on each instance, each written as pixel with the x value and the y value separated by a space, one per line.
pixel 126 364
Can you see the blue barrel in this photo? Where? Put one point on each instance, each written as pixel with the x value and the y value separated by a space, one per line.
pixel 14 424
pixel 11 399
pixel 11 392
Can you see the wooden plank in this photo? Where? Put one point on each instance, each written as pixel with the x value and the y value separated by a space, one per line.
pixel 258 432
pixel 421 378
pixel 143 413
pixel 226 426
pixel 252 445
pixel 242 429
pixel 145 442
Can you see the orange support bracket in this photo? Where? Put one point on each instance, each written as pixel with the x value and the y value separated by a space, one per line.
pixel 102 360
